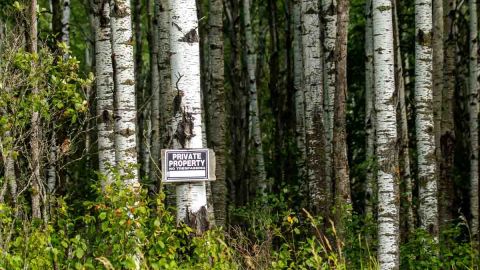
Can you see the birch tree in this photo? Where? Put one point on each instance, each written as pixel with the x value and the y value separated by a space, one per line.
pixel 369 111
pixel 254 120
pixel 298 86
pixel 473 110
pixel 216 108
pixel 424 125
pixel 187 108
pixel 61 20
pixel 386 135
pixel 313 87
pixel 329 20
pixel 124 81
pixel 104 88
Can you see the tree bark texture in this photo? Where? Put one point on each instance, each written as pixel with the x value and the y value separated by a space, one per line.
pixel 124 81
pixel 187 107
pixel 329 25
pixel 424 125
pixel 298 88
pixel 155 143
pixel 473 111
pixel 386 135
pixel 447 138
pixel 340 159
pixel 314 113
pixel 216 109
pixel 104 87
pixel 369 112
pixel 255 132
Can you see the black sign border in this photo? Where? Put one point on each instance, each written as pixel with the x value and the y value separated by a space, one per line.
pixel 167 179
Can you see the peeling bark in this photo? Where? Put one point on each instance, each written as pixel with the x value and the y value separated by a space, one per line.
pixel 187 108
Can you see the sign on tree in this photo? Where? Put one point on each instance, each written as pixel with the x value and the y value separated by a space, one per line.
pixel 188 165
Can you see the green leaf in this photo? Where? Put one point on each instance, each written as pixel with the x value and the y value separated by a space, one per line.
pixel 102 215
pixel 79 253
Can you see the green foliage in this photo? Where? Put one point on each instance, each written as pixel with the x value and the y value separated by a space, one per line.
pixel 452 251
pixel 123 228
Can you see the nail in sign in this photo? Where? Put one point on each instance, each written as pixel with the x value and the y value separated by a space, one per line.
pixel 187 165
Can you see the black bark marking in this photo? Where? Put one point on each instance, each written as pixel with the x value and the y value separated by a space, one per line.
pixel 184 130
pixel 190 37
pixel 198 220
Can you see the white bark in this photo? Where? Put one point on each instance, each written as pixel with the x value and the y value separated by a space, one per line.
pixel 254 120
pixel 104 88
pixel 369 110
pixel 187 123
pixel 329 11
pixel 124 78
pixel 298 86
pixel 428 208
pixel 386 135
pixel 312 75
pixel 51 172
pixel 66 22
pixel 473 83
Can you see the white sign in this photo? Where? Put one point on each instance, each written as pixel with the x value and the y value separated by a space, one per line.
pixel 187 165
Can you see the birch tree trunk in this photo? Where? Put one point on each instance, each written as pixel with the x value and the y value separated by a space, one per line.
pixel 61 20
pixel 164 70
pixel 329 16
pixel 424 125
pixel 104 88
pixel 216 108
pixel 473 110
pixel 154 172
pixel 313 87
pixel 386 135
pixel 187 122
pixel 35 139
pixel 124 81
pixel 167 93
pixel 298 87
pixel 369 112
pixel 254 120
pixel 340 159
pixel 447 138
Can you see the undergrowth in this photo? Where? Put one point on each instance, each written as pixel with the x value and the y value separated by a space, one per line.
pixel 126 229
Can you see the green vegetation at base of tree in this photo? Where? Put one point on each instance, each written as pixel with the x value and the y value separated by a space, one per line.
pixel 123 228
